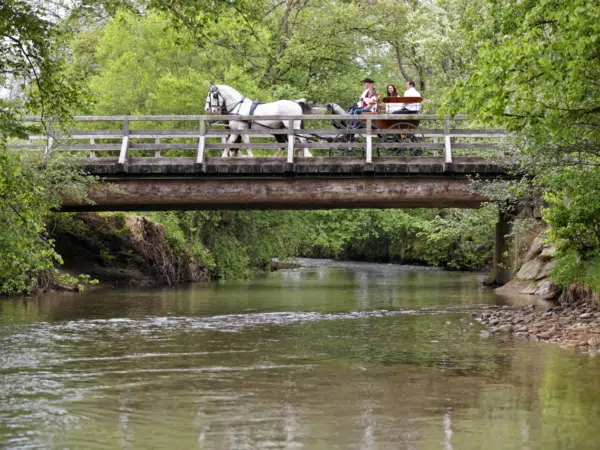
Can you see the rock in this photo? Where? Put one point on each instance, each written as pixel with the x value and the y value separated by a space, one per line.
pixel 545 271
pixel 579 327
pixel 504 329
pixel 547 334
pixel 484 334
pixel 489 281
pixel 593 342
pixel 529 290
pixel 547 253
pixel 548 291
pixel 586 315
pixel 494 322
pixel 536 248
pixel 530 270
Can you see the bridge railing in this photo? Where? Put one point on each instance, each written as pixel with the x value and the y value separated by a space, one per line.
pixel 108 136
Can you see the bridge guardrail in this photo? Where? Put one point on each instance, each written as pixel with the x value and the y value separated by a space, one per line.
pixel 367 139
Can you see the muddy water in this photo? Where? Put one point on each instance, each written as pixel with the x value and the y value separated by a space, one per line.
pixel 349 356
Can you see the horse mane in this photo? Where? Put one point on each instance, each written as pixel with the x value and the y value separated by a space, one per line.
pixel 334 108
pixel 229 90
pixel 306 109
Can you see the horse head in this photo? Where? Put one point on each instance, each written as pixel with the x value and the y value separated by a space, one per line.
pixel 334 108
pixel 215 103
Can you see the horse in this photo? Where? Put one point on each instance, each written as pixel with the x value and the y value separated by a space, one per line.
pixel 222 99
pixel 334 108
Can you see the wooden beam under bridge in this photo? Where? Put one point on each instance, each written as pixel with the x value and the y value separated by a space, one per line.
pixel 211 193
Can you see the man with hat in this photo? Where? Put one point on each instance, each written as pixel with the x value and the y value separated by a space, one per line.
pixel 367 101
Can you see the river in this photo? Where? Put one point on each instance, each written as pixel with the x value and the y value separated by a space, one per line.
pixel 328 356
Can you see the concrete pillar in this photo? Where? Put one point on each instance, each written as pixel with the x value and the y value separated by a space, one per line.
pixel 503 261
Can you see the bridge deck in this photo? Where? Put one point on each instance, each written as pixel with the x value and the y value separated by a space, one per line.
pixel 271 183
pixel 302 167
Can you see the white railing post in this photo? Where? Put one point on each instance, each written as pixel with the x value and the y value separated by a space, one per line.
pixel 92 152
pixel 447 142
pixel 201 142
pixel 125 144
pixel 157 152
pixel 369 140
pixel 290 152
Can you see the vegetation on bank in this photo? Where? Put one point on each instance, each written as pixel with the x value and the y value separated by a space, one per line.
pixel 537 72
pixel 124 249
pixel 530 66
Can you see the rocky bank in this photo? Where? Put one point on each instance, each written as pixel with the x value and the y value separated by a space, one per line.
pixel 533 277
pixel 567 317
pixel 573 326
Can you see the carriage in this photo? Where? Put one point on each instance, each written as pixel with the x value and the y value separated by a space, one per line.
pixel 401 131
pixel 401 136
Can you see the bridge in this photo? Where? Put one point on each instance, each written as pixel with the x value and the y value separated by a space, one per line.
pixel 174 162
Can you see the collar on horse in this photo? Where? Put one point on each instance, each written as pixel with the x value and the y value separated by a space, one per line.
pixel 253 107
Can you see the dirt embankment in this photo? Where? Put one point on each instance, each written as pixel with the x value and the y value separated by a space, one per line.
pixel 569 317
pixel 122 250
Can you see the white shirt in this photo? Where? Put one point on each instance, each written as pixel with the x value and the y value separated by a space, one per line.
pixel 393 107
pixel 411 92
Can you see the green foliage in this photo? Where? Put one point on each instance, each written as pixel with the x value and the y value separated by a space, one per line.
pixel 28 191
pixel 77 283
pixel 536 72
pixel 574 209
pixel 230 244
pixel 460 239
pixel 570 268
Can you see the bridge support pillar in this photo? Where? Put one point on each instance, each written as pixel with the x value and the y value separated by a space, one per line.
pixel 503 261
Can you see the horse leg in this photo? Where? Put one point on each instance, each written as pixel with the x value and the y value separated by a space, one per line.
pixel 232 139
pixel 282 139
pixel 246 140
pixel 305 152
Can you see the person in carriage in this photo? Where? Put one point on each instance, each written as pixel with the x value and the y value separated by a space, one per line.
pixel 367 101
pixel 408 108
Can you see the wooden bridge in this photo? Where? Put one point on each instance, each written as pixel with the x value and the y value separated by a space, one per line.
pixel 174 162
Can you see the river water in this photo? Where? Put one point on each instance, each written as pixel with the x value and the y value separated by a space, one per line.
pixel 329 356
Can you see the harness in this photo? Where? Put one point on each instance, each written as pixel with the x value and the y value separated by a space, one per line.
pixel 253 107
pixel 222 104
pixel 238 105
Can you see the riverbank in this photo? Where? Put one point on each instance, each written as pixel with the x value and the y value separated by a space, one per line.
pixel 572 326
pixel 122 250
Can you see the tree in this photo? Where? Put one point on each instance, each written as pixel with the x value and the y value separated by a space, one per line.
pixel 537 72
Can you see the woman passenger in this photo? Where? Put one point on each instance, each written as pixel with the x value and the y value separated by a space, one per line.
pixel 392 91
pixel 392 107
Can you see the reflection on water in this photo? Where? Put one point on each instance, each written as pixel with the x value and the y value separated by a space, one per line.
pixel 351 356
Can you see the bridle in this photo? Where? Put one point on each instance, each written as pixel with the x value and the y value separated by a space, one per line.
pixel 216 96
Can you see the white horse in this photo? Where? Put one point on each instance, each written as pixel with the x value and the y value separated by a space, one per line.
pixel 334 108
pixel 222 99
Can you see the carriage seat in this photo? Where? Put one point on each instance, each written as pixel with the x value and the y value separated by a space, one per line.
pixel 381 106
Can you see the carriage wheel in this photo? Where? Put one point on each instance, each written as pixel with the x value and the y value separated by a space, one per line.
pixel 346 138
pixel 413 135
